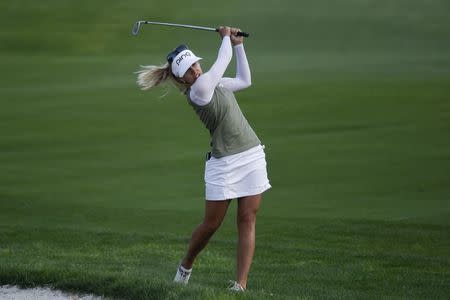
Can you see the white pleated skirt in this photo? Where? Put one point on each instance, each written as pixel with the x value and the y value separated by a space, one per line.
pixel 238 175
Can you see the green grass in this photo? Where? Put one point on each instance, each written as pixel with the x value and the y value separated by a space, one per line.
pixel 101 184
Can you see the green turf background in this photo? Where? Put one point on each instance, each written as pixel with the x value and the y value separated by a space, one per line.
pixel 101 184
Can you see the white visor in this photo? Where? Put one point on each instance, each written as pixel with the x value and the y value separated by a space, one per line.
pixel 183 61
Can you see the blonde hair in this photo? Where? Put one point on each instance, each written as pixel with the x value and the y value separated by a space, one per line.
pixel 151 76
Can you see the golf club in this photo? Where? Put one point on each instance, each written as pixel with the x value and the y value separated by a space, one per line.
pixel 138 24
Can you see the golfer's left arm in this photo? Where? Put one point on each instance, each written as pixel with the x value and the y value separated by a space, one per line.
pixel 243 77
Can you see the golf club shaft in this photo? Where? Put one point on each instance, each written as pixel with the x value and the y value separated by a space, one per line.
pixel 179 25
pixel 183 26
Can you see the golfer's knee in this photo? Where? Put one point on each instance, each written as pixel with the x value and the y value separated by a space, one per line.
pixel 211 226
pixel 247 218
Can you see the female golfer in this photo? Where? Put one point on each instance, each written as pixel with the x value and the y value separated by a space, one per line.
pixel 236 165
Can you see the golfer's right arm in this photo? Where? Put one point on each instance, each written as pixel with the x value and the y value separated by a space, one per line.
pixel 203 89
pixel 243 77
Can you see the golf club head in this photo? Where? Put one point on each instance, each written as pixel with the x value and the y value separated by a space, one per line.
pixel 136 28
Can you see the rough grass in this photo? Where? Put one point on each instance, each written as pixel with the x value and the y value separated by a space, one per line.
pixel 306 258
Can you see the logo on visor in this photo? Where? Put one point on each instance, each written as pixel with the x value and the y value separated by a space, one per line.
pixel 178 61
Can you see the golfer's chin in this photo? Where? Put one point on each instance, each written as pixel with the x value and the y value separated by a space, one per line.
pixel 191 79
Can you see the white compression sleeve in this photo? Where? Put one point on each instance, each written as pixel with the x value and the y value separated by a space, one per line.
pixel 243 77
pixel 203 89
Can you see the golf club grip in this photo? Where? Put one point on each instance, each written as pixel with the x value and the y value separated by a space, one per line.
pixel 244 34
pixel 240 33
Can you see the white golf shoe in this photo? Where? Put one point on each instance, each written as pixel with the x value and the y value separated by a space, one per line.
pixel 235 287
pixel 182 275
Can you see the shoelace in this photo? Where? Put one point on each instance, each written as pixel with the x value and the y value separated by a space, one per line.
pixel 184 274
pixel 234 286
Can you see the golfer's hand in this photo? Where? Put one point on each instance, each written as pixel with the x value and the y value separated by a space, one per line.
pixel 224 31
pixel 236 40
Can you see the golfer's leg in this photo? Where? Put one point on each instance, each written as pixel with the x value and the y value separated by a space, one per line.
pixel 214 213
pixel 246 220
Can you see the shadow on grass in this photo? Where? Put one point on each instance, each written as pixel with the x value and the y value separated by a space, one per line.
pixel 114 285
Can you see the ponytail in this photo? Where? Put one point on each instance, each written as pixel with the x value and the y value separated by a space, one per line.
pixel 151 76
